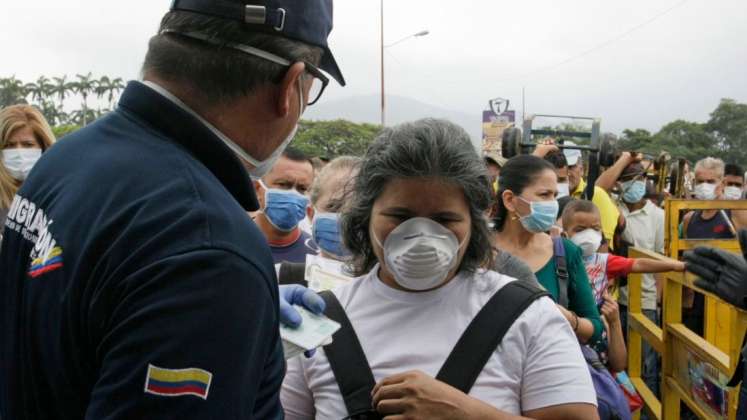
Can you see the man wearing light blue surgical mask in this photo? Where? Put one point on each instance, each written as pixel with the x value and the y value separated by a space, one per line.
pixel 328 195
pixel 284 203
pixel 644 229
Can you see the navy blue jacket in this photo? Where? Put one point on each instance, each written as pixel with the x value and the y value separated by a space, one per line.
pixel 133 284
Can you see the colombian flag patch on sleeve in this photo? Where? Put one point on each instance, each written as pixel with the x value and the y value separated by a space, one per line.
pixel 176 382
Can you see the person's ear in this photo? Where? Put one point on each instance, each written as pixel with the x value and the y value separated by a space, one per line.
pixel 288 94
pixel 260 192
pixel 508 200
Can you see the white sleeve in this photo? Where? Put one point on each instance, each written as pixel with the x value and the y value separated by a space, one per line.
pixel 660 226
pixel 295 396
pixel 555 371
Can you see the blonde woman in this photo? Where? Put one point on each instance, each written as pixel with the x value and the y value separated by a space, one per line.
pixel 24 136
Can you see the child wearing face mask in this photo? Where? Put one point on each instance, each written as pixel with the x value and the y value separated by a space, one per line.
pixel 582 225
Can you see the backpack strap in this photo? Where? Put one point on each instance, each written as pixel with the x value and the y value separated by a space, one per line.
pixel 348 361
pixel 292 273
pixel 483 335
pixel 561 270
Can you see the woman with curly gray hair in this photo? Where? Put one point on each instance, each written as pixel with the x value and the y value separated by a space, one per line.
pixel 419 241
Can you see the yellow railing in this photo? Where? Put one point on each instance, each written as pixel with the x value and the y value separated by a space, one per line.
pixel 680 348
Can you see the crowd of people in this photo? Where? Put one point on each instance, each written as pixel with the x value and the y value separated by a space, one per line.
pixel 148 260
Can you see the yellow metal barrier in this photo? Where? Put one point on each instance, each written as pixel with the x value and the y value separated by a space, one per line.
pixel 682 351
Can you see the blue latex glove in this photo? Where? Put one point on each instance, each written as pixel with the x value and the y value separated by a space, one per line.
pixel 294 294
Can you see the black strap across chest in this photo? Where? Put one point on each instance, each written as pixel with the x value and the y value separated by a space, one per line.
pixel 463 365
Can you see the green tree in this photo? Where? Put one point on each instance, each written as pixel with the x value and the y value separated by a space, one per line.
pixel 12 91
pixel 62 88
pixel 63 130
pixel 728 127
pixel 636 140
pixel 334 138
pixel 39 89
pixel 83 116
pixel 685 139
pixel 84 86
pixel 116 85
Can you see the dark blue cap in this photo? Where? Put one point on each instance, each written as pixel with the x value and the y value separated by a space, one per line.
pixel 308 21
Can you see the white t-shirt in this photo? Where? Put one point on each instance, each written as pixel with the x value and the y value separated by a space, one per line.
pixel 538 364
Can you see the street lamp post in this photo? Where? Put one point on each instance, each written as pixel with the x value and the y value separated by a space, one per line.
pixel 383 105
pixel 415 35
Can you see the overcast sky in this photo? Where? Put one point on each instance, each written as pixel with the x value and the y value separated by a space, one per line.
pixel 574 56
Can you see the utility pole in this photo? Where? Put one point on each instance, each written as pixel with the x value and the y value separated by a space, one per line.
pixel 383 100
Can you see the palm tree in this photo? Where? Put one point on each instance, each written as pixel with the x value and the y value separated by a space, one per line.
pixel 61 88
pixel 41 89
pixel 12 92
pixel 84 86
pixel 117 84
pixel 102 87
pixel 82 116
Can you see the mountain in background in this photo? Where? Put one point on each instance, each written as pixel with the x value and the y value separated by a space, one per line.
pixel 366 109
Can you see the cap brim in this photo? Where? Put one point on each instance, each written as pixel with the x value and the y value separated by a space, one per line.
pixel 329 65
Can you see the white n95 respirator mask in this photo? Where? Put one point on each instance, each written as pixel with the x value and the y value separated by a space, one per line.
pixel 588 240
pixel 420 253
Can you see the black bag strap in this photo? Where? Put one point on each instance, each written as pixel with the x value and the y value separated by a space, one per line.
pixel 485 332
pixel 292 273
pixel 348 361
pixel 561 270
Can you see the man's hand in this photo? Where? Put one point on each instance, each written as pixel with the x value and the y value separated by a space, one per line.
pixel 545 147
pixel 721 272
pixel 294 294
pixel 631 157
pixel 416 395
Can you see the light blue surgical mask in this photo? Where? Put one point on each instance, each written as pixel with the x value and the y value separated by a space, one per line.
pixel 542 216
pixel 326 232
pixel 284 208
pixel 633 191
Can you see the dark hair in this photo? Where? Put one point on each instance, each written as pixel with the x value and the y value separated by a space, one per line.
pixel 562 202
pixel 557 159
pixel 518 173
pixel 733 169
pixel 490 161
pixel 297 156
pixel 577 206
pixel 427 148
pixel 631 171
pixel 216 73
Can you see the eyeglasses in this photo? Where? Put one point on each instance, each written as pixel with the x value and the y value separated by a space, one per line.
pixel 318 84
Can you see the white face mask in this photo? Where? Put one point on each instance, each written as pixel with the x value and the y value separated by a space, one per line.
pixel 420 253
pixel 564 190
pixel 19 162
pixel 588 240
pixel 732 193
pixel 262 167
pixel 705 191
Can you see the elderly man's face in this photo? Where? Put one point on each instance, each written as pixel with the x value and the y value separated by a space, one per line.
pixel 709 176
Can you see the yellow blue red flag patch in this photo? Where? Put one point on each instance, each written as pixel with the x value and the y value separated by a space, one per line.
pixel 48 263
pixel 176 382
